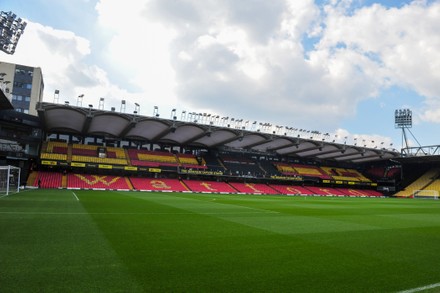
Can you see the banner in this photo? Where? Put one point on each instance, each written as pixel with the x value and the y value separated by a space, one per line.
pixel 75 164
pixel 290 178
pixel 130 168
pixel 200 172
pixel 100 166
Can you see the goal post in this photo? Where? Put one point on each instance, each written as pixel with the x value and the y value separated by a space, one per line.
pixel 9 180
pixel 428 194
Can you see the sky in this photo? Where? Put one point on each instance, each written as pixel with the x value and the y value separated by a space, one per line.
pixel 338 67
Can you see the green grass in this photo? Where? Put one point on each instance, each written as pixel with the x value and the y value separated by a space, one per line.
pixel 163 242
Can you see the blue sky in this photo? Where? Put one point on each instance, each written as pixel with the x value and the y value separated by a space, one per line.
pixel 335 66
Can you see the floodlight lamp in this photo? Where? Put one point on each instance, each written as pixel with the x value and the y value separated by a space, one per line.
pixel 10 31
pixel 90 106
pixel 136 104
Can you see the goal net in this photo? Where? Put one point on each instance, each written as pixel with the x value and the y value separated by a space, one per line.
pixel 429 194
pixel 9 180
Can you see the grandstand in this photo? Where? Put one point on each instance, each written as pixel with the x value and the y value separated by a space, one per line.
pixel 98 149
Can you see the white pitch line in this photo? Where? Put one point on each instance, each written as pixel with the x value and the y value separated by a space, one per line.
pixel 419 289
pixel 75 196
pixel 16 193
pixel 85 213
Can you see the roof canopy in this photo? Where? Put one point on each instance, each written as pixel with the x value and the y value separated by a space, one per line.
pixel 85 122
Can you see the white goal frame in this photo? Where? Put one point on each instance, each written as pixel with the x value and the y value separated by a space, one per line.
pixel 427 194
pixel 9 180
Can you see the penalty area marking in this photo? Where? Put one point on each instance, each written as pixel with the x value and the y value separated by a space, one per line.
pixel 419 289
pixel 75 196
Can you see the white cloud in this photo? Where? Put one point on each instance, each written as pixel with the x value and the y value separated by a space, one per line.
pixel 404 43
pixel 62 55
pixel 140 49
pixel 287 62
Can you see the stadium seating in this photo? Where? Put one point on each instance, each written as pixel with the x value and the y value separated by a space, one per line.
pixel 84 152
pixel 154 184
pixel 423 181
pixel 269 168
pixel 89 154
pixel 118 153
pixel 376 172
pixel 291 190
pixel 190 161
pixel 152 158
pixel 345 174
pixel 56 157
pixel 49 179
pixel 241 166
pixel 236 165
pixel 56 147
pixel 326 191
pixel 86 181
pixel 393 172
pixel 310 171
pixel 209 186
pixel 330 191
pixel 359 192
pixel 56 151
pixel 434 185
pixel 213 163
pixel 97 160
pixel 286 169
pixel 253 188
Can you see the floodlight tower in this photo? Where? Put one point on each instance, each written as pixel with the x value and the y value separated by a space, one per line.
pixel 403 120
pixel 11 28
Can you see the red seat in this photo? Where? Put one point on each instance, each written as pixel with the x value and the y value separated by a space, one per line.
pixel 87 181
pixel 254 188
pixel 151 184
pixel 209 186
pixel 49 179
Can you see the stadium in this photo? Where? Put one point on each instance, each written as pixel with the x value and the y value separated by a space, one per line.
pixel 103 200
pixel 141 203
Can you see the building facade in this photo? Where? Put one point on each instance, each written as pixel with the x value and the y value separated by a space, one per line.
pixel 23 85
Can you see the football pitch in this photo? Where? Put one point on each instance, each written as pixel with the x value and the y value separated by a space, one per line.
pixel 112 241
